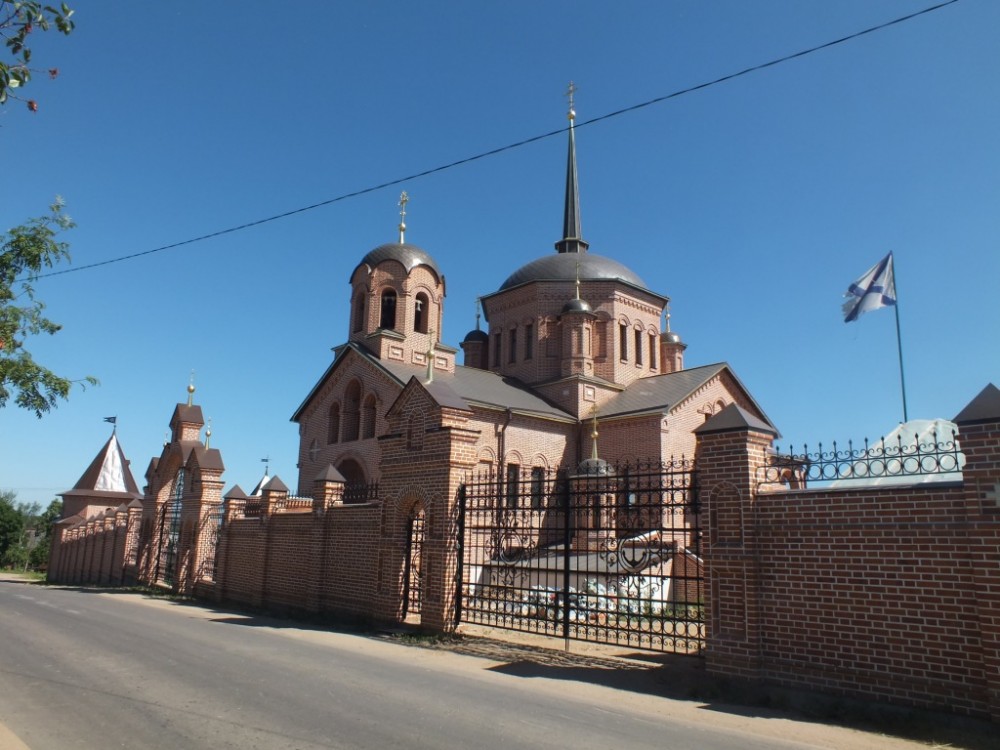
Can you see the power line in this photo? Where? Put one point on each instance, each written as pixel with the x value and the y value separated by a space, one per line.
pixel 510 146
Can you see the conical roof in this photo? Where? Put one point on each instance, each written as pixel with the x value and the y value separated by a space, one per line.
pixel 108 474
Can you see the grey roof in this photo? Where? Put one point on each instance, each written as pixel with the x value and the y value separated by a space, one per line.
pixel 479 387
pixel 563 267
pixel 982 409
pixel 236 493
pixel 732 419
pixel 472 385
pixel 190 414
pixel 409 256
pixel 476 335
pixel 577 306
pixel 661 393
pixel 330 474
pixel 274 484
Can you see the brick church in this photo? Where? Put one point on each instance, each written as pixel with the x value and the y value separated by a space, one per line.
pixel 573 339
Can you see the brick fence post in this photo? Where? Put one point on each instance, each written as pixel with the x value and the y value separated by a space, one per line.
pixel 979 438
pixel 730 447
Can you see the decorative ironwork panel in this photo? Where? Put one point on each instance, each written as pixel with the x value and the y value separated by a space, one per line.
pixel 609 555
pixel 211 530
pixel 170 532
pixel 897 460
pixel 414 569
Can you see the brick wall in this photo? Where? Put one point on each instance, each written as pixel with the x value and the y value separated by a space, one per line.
pixel 884 593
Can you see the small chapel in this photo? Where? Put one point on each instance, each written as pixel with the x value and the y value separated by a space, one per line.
pixel 571 339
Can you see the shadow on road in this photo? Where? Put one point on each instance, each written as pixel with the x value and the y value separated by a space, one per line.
pixel 669 676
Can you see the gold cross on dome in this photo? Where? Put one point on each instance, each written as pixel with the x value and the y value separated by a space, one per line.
pixel 403 200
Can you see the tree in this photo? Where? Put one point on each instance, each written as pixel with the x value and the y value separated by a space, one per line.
pixel 11 523
pixel 25 251
pixel 18 19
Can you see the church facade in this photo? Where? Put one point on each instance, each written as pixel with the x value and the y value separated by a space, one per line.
pixel 572 337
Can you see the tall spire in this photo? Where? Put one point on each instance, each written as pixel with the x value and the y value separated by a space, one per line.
pixel 572 241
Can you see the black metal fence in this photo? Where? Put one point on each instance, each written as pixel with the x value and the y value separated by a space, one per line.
pixel 899 459
pixel 605 553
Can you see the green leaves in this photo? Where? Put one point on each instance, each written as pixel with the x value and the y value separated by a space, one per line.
pixel 19 19
pixel 25 251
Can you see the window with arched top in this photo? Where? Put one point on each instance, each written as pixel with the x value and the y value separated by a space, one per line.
pixel 358 314
pixel 421 312
pixel 352 411
pixel 368 417
pixel 387 318
pixel 333 424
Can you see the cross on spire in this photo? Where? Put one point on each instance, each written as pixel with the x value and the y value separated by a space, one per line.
pixel 403 200
pixel 570 91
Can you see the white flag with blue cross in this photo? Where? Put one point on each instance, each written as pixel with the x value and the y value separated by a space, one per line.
pixel 874 290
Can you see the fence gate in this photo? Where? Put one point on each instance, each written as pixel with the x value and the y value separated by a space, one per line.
pixel 170 531
pixel 610 555
pixel 413 576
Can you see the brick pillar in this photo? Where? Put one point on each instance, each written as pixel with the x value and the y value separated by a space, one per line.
pixel 328 490
pixel 979 438
pixel 730 448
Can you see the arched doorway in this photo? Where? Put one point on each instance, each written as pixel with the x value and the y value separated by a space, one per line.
pixel 413 574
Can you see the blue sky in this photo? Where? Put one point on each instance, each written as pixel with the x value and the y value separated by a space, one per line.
pixel 752 204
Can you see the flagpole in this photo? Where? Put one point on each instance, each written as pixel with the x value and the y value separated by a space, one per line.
pixel 899 345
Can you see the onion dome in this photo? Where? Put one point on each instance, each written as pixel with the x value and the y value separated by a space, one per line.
pixel 594 467
pixel 407 255
pixel 476 336
pixel 577 306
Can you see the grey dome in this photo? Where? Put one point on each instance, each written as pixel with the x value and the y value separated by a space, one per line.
pixel 671 338
pixel 476 335
pixel 563 267
pixel 577 306
pixel 409 256
pixel 594 467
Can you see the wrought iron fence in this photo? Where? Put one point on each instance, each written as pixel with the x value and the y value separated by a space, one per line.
pixel 895 460
pixel 357 492
pixel 609 553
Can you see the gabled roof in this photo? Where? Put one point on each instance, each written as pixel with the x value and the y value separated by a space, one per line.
pixel 467 385
pixel 108 475
pixel 662 393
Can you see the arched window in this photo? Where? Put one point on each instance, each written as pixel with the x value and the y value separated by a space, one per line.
pixel 388 316
pixel 368 417
pixel 358 314
pixel 333 425
pixel 421 311
pixel 352 411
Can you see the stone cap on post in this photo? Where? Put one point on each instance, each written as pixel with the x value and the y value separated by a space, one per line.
pixel 328 489
pixel 979 439
pixel 273 496
pixel 735 418
pixel 983 409
pixel 235 503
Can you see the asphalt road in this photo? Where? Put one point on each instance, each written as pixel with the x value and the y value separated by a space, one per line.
pixel 86 669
